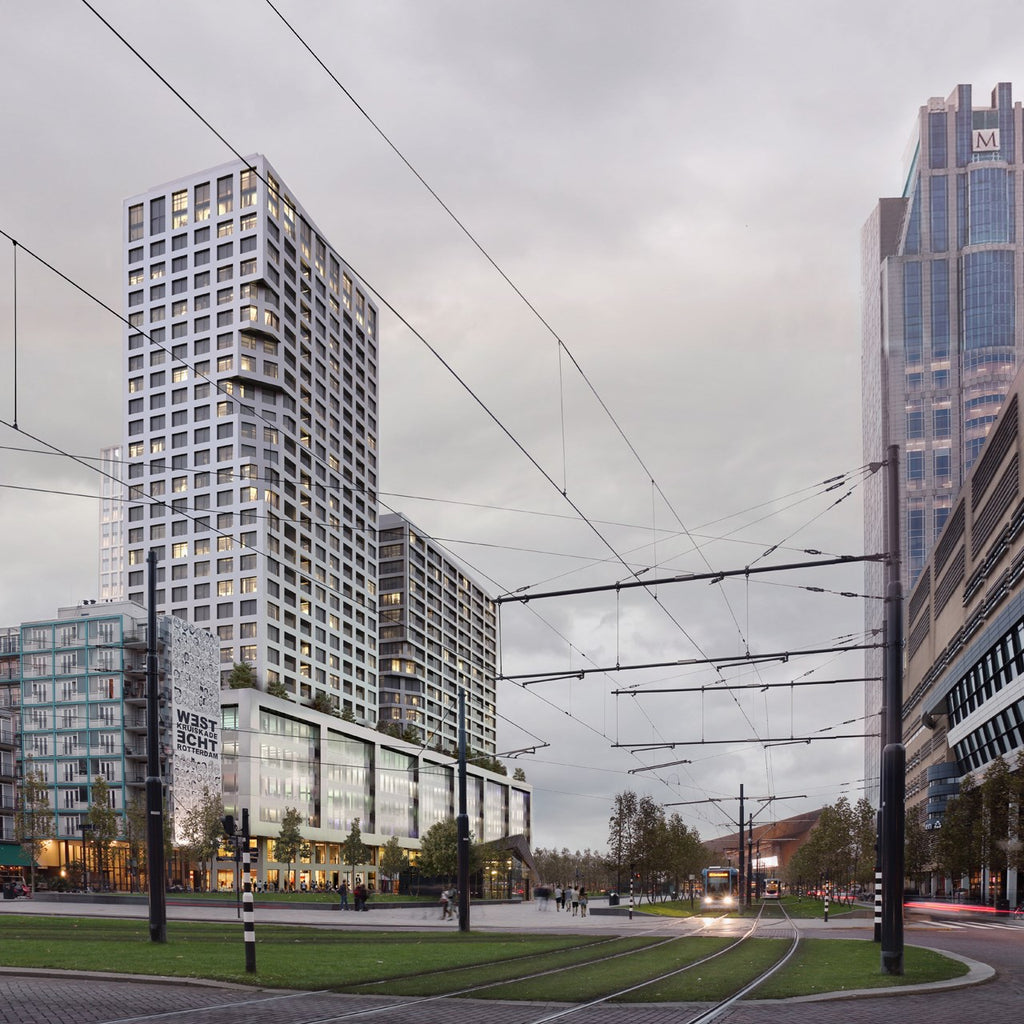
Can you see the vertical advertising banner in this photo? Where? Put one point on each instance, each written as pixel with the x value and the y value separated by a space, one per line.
pixel 193 668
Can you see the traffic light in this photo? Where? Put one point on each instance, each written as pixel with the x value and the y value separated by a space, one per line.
pixel 228 821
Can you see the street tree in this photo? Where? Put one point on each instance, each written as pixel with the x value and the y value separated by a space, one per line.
pixel 133 831
pixel 996 793
pixel 353 850
pixel 202 832
pixel 105 824
pixel 958 844
pixel 289 844
pixel 33 816
pixel 439 850
pixel 393 861
pixel 622 833
pixel 864 821
pixel 686 854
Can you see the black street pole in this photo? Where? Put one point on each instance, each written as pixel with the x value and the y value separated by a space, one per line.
pixel 462 822
pixel 154 786
pixel 894 755
pixel 739 895
pixel 751 887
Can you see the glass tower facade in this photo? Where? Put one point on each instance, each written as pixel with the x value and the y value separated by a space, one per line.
pixel 942 339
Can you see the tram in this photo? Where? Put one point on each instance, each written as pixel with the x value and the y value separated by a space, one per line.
pixel 721 886
pixel 772 888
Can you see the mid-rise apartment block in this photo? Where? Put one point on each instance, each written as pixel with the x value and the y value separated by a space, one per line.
pixel 81 685
pixel 250 441
pixel 438 635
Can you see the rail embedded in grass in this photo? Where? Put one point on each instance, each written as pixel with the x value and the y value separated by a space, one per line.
pixel 297 956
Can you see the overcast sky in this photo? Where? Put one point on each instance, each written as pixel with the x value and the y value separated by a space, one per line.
pixel 678 189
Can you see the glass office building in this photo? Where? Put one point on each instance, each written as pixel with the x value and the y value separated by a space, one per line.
pixel 942 338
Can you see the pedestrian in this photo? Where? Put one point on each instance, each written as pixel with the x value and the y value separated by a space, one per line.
pixel 446 905
pixel 558 897
pixel 583 902
pixel 575 902
pixel 344 894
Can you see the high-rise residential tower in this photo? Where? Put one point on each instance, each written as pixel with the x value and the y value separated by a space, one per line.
pixel 251 431
pixel 943 328
pixel 112 495
pixel 438 635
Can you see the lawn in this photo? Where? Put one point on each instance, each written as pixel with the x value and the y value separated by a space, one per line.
pixel 512 966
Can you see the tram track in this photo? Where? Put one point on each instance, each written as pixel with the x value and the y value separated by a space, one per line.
pixel 461 1005
pixel 712 1012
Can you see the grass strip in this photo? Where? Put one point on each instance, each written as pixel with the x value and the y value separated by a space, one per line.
pixel 508 970
pixel 591 981
pixel 715 979
pixel 303 957
pixel 841 965
pixel 286 956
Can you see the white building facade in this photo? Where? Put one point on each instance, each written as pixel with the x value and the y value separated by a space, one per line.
pixel 278 756
pixel 251 431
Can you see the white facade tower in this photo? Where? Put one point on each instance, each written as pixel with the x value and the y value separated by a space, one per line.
pixel 251 431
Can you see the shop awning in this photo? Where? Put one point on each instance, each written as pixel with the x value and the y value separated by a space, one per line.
pixel 13 855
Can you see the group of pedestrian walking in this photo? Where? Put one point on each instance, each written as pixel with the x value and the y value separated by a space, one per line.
pixel 359 896
pixel 571 899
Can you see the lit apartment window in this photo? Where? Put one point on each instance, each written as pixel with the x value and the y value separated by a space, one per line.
pixel 247 188
pixel 179 550
pixel 136 223
pixel 202 201
pixel 225 195
pixel 179 208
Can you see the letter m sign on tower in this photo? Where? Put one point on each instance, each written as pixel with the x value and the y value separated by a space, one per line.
pixel 985 140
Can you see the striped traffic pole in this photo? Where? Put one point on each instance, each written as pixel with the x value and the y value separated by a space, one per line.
pixel 248 904
pixel 878 906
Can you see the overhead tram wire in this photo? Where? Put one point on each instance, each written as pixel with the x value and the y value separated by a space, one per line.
pixel 401 319
pixel 590 524
pixel 722 687
pixel 713 577
pixel 562 347
pixel 235 477
pixel 725 661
